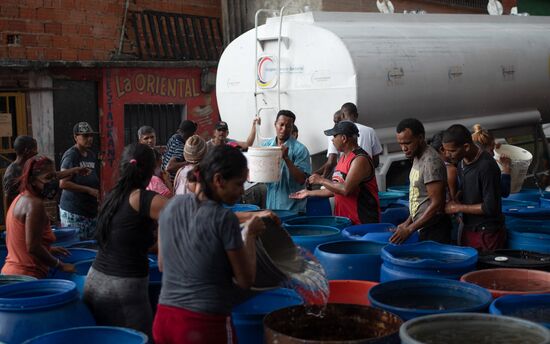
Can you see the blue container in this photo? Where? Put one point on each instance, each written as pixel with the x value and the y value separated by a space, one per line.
pixel 29 309
pixel 386 198
pixel 65 234
pixel 248 316
pixel 529 195
pixel 515 203
pixel 545 202
pixel 400 188
pixel 91 335
pixel 411 298
pixel 318 206
pixel 89 244
pixel 532 307
pixel 527 212
pixel 339 222
pixel 351 260
pixel 242 207
pixel 78 255
pixel 529 236
pixel 78 277
pixel 3 255
pixel 309 236
pixel 394 215
pixel 11 279
pixel 155 283
pixel 426 259
pixel 377 232
pixel 285 215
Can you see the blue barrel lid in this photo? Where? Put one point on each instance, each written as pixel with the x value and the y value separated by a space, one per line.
pixel 39 294
pixel 431 286
pixel 447 256
pixel 101 334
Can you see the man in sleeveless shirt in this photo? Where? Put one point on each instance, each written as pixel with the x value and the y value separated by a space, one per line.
pixel 428 179
pixel 353 183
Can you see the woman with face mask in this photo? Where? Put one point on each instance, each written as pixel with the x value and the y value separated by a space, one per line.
pixel 29 235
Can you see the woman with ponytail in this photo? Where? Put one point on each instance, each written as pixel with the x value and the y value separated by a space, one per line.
pixel 116 288
pixel 486 141
pixel 206 261
pixel 29 235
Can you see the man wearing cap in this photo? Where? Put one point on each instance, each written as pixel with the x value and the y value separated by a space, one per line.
pixel 173 159
pixel 353 183
pixel 295 168
pixel 220 136
pixel 79 199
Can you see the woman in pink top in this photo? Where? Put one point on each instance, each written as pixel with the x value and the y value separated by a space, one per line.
pixel 29 235
pixel 158 184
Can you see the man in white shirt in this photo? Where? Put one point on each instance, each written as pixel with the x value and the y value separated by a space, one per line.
pixel 367 140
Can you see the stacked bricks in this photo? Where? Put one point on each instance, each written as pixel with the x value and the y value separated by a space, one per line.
pixel 77 30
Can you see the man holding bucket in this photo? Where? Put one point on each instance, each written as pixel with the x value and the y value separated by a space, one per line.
pixel 480 191
pixel 295 168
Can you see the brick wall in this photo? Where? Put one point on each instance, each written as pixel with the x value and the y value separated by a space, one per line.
pixel 77 30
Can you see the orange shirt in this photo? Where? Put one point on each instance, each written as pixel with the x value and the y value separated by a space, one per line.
pixel 19 261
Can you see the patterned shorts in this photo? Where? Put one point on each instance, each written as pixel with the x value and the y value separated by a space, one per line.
pixel 87 225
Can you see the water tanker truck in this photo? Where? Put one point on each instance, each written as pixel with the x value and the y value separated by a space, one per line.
pixel 440 68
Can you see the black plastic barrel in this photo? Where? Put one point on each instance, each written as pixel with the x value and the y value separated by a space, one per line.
pixel 515 259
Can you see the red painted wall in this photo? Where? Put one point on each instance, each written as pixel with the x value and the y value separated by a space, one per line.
pixel 122 86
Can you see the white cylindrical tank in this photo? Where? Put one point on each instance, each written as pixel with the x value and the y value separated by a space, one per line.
pixel 437 68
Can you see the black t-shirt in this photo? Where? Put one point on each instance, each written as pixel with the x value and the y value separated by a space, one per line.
pixel 480 183
pixel 10 182
pixel 80 203
pixel 131 234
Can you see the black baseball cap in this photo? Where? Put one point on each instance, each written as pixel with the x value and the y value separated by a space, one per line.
pixel 81 128
pixel 347 128
pixel 222 126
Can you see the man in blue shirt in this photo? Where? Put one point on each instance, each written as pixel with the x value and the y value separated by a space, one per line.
pixel 295 168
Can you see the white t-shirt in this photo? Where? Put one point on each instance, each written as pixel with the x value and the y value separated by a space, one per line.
pixel 367 140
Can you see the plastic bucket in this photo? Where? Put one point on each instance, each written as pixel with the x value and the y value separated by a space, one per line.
pixel 376 232
pixel 340 323
pixel 534 308
pixel 460 328
pixel 339 222
pixel 350 292
pixel 91 335
pixel 11 279
pixel 514 259
pixel 311 236
pixel 350 260
pixel 510 281
pixel 29 309
pixel 264 164
pixel 426 259
pixel 521 159
pixel 248 316
pixel 411 298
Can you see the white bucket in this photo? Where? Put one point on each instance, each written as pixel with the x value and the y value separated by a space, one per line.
pixel 264 164
pixel 521 159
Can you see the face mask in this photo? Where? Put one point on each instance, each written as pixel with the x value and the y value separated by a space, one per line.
pixel 50 189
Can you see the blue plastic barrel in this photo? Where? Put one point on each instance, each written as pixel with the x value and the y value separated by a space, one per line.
pixel 528 195
pixel 78 277
pixel 318 206
pixel 239 207
pixel 89 244
pixel 400 188
pixel 527 212
pixel 285 215
pixel 426 259
pixel 29 309
pixel 91 335
pixel 395 215
pixel 411 298
pixel 65 236
pixel 351 260
pixel 532 307
pixel 11 279
pixel 248 316
pixel 339 222
pixel 78 255
pixel 3 255
pixel 310 236
pixel 155 284
pixel 387 197
pixel 529 236
pixel 377 232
